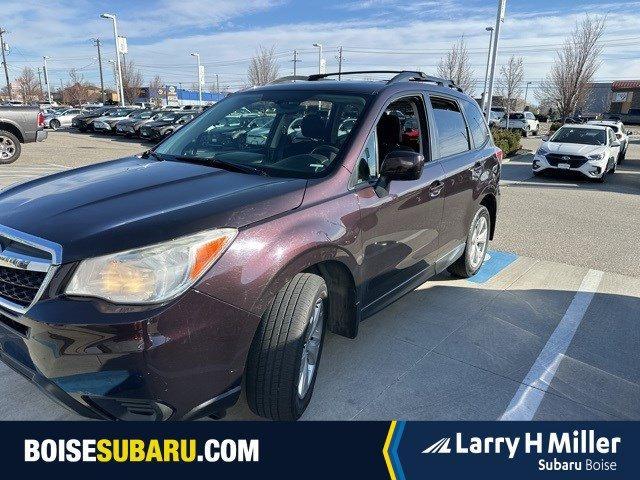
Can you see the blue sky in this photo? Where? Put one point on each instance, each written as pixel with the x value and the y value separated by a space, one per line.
pixel 374 33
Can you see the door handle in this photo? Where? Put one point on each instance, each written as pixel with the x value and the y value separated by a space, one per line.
pixel 436 188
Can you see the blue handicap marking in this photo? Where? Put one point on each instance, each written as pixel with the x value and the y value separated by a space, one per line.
pixel 495 263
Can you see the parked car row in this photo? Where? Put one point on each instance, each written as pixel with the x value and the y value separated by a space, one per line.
pixel 150 124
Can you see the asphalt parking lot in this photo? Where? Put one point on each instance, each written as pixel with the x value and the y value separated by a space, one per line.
pixel 549 330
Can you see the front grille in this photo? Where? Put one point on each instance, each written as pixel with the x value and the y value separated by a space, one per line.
pixel 574 161
pixel 26 265
pixel 20 286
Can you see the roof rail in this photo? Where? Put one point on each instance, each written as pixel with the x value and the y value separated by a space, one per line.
pixel 401 76
pixel 322 76
pixel 288 79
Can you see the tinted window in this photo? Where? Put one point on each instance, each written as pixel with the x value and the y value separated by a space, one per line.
pixel 477 125
pixel 452 131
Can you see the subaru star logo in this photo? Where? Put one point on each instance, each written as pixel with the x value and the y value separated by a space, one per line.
pixel 566 159
pixel 441 446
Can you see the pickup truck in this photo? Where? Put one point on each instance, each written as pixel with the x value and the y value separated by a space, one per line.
pixel 19 124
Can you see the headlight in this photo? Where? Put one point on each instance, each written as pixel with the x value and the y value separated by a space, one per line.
pixel 151 274
pixel 597 156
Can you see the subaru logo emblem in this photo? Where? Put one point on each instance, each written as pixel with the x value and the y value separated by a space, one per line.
pixel 566 159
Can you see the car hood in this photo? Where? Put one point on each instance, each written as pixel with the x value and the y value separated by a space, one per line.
pixel 573 148
pixel 133 202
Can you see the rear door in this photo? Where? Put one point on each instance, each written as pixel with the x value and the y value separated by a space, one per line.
pixel 465 153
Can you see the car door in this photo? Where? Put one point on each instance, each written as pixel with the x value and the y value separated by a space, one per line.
pixel 615 150
pixel 400 225
pixel 463 166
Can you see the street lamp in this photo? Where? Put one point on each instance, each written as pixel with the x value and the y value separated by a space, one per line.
pixel 486 75
pixel 197 55
pixel 526 94
pixel 112 17
pixel 319 46
pixel 46 77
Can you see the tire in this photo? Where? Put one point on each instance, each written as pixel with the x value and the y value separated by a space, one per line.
pixel 613 168
pixel 274 385
pixel 602 178
pixel 10 147
pixel 54 124
pixel 622 157
pixel 469 264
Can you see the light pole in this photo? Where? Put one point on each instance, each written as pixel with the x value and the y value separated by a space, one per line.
pixel 319 46
pixel 46 77
pixel 112 17
pixel 526 93
pixel 486 75
pixel 502 5
pixel 197 55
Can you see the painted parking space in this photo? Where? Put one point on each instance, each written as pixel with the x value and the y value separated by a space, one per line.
pixel 495 263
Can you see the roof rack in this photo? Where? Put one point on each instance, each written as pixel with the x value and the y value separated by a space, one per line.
pixel 288 79
pixel 401 76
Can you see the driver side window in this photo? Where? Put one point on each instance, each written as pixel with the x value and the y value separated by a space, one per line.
pixel 401 127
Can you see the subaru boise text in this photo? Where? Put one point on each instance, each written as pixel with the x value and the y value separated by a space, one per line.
pixel 154 286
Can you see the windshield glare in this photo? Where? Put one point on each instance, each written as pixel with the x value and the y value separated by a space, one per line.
pixel 303 131
pixel 582 136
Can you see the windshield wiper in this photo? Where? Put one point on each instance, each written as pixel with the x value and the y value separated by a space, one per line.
pixel 215 162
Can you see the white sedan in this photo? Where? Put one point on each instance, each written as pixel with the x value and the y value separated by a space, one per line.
pixel 61 119
pixel 591 150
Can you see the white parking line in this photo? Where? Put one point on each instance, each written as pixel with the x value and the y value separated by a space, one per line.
pixel 527 399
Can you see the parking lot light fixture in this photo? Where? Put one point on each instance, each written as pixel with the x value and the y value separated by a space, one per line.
pixel 197 55
pixel 112 17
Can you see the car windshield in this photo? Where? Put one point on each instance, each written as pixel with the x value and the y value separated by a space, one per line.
pixel 141 114
pixel 516 116
pixel 304 150
pixel 581 136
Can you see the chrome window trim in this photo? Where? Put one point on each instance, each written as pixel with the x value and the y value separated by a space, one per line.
pixel 52 248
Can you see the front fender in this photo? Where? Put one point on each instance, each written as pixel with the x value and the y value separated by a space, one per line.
pixel 264 257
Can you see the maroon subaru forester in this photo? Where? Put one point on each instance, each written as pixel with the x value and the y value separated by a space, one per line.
pixel 157 286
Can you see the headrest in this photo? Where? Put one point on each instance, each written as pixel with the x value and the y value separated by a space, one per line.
pixel 312 126
pixel 389 129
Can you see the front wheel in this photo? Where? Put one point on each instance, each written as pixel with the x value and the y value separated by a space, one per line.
pixel 9 147
pixel 54 124
pixel 477 245
pixel 285 353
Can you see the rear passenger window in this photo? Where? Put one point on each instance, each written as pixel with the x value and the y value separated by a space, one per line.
pixel 477 125
pixel 452 131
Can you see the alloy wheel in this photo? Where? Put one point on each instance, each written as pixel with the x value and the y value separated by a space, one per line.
pixel 479 241
pixel 7 148
pixel 311 349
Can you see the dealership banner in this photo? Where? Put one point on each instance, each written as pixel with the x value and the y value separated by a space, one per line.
pixel 309 450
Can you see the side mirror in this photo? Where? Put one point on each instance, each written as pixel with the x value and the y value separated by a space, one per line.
pixel 545 138
pixel 402 165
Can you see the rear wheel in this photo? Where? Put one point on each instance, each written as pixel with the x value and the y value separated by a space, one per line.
pixel 283 359
pixel 477 245
pixel 9 147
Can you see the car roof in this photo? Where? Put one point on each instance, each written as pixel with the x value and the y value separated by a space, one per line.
pixel 613 123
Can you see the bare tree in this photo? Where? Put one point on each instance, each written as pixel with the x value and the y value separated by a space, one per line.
pixel 264 66
pixel 456 66
pixel 510 83
pixel 155 86
pixel 131 80
pixel 567 85
pixel 28 85
pixel 78 91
